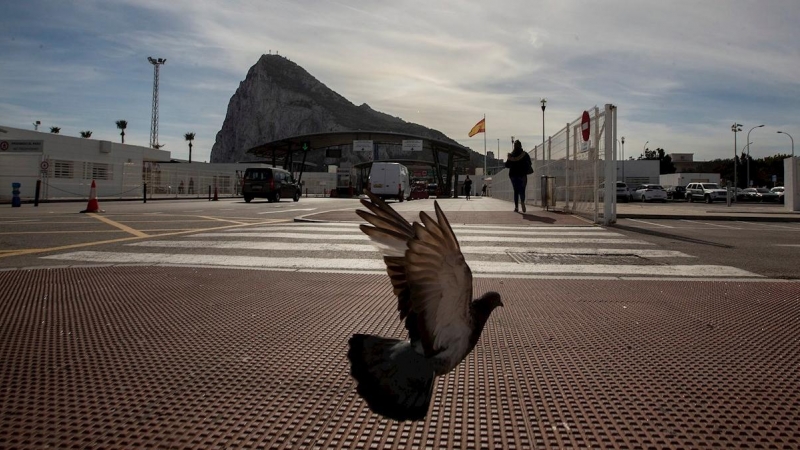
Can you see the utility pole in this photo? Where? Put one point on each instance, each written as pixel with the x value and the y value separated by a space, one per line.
pixel 156 62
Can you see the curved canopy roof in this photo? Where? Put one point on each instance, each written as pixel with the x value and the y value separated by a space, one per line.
pixel 317 141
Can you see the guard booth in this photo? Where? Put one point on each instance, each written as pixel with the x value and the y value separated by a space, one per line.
pixel 361 148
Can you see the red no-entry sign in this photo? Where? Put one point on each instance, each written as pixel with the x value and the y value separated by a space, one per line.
pixel 585 126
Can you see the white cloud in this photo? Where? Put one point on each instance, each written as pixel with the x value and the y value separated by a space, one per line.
pixel 680 72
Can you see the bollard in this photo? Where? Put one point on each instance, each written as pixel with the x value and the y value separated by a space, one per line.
pixel 38 190
pixel 209 192
pixel 144 193
pixel 15 200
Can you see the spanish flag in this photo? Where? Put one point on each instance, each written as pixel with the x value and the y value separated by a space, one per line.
pixel 479 127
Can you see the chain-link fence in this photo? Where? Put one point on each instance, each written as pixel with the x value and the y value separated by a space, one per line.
pixel 569 172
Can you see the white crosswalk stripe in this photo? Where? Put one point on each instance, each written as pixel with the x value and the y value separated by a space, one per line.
pixel 491 251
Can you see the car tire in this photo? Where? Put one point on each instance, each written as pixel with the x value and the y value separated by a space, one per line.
pixel 689 198
pixel 296 197
pixel 708 199
pixel 276 197
pixel 247 198
pixel 644 199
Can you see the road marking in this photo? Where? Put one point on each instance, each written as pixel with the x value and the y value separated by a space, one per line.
pixel 497 268
pixel 461 232
pixel 467 250
pixel 786 245
pixel 223 220
pixel 651 223
pixel 31 251
pixel 287 210
pixel 782 227
pixel 122 227
pixel 354 225
pixel 356 237
pixel 61 232
pixel 711 224
pixel 3 222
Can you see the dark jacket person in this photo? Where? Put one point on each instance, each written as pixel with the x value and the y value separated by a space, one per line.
pixel 519 167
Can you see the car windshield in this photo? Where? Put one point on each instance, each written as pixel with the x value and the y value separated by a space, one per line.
pixel 762 190
pixel 710 186
pixel 655 186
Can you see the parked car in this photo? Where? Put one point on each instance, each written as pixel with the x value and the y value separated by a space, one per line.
pixel 650 192
pixel 622 192
pixel 778 190
pixel 759 195
pixel 270 183
pixel 708 192
pixel 676 192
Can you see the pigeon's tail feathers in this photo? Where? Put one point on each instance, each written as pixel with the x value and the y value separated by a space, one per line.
pixel 393 378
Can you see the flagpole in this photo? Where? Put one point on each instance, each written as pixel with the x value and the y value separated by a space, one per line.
pixel 484 148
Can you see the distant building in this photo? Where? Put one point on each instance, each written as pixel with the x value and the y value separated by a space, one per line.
pixel 684 178
pixel 490 155
pixel 67 165
pixel 684 162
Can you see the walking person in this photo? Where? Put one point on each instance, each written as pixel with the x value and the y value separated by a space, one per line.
pixel 483 191
pixel 467 186
pixel 519 167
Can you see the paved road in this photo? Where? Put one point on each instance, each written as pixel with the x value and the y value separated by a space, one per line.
pixel 198 325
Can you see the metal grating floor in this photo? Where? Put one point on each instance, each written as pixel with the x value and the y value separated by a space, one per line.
pixel 141 357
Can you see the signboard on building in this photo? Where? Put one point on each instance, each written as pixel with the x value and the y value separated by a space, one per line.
pixel 21 146
pixel 412 145
pixel 362 146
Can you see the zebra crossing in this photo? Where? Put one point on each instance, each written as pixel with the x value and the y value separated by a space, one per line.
pixel 491 251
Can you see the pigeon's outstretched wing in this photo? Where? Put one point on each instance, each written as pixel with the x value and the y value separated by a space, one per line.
pixel 429 275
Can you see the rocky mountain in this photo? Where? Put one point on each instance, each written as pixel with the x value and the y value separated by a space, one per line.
pixel 280 99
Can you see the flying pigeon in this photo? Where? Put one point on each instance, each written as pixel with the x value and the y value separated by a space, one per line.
pixel 433 285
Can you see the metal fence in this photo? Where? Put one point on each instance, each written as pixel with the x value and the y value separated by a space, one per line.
pixel 570 173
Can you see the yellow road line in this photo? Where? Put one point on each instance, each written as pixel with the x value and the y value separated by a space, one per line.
pixel 221 220
pixel 32 251
pixel 122 227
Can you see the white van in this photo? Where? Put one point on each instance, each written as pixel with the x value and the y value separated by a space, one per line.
pixel 389 180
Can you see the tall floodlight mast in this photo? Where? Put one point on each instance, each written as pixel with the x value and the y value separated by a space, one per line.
pixel 156 62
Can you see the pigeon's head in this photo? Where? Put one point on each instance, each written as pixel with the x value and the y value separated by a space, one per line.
pixel 487 303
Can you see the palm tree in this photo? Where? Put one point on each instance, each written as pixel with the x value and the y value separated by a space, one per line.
pixel 189 137
pixel 122 125
pixel 55 130
pixel 86 134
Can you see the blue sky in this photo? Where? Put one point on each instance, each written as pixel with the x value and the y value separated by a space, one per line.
pixel 680 72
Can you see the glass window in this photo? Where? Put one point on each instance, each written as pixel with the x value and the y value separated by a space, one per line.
pixel 63 169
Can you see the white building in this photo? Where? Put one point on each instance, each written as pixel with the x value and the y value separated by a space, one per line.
pixel 682 179
pixel 67 165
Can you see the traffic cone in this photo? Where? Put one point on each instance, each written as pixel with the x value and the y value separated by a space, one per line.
pixel 93 206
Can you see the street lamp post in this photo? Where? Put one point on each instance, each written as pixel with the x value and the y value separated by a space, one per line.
pixel 544 103
pixel 790 137
pixel 623 158
pixel 748 153
pixel 736 128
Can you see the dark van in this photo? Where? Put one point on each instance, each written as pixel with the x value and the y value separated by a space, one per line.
pixel 270 183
